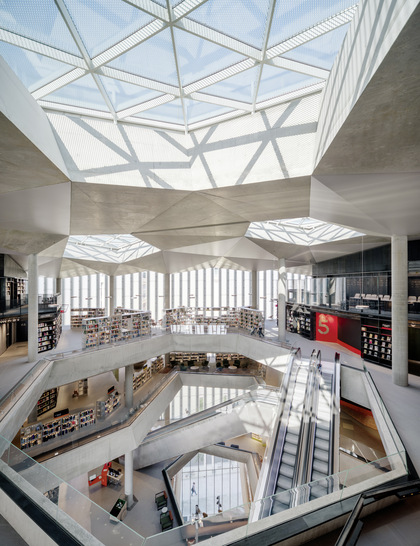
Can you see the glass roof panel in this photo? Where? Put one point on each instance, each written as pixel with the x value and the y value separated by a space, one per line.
pixel 300 231
pixel 39 20
pixel 241 87
pixel 153 59
pixel 322 51
pixel 32 69
pixel 202 56
pixel 107 248
pixel 198 58
pixel 82 92
pixel 103 23
pixel 294 16
pixel 123 95
pixel 276 81
pixel 200 111
pixel 170 112
pixel 244 20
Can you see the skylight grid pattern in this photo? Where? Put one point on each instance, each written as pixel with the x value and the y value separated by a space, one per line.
pixel 300 231
pixel 107 248
pixel 152 52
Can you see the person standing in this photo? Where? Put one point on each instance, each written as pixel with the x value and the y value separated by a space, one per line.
pixel 193 489
pixel 219 504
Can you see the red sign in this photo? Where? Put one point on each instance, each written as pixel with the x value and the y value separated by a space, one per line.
pixel 326 328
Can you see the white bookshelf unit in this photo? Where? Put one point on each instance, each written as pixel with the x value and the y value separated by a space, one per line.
pixel 77 315
pixel 119 327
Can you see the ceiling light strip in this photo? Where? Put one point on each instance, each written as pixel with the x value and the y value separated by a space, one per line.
pixel 64 108
pixel 153 124
pixel 309 34
pixel 128 43
pixel 214 120
pixel 219 76
pixel 42 49
pixel 151 8
pixel 287 97
pixel 202 31
pixel 301 68
pixel 186 7
pixel 138 80
pixel 178 73
pixel 53 86
pixel 237 105
pixel 264 50
pixel 158 101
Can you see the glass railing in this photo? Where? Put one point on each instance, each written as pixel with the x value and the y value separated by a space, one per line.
pixel 65 500
pixel 246 520
pixel 243 520
pixel 255 393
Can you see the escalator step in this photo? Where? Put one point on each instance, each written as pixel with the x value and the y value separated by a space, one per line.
pixel 318 476
pixel 321 455
pixel 284 483
pixel 322 434
pixel 320 443
pixel 320 466
pixel 290 448
pixel 292 438
pixel 279 507
pixel 318 490
pixel 288 459
pixel 286 470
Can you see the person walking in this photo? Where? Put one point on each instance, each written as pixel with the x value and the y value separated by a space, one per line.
pixel 219 504
pixel 193 489
pixel 260 329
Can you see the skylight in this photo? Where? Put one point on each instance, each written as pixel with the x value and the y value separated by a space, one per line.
pixel 300 231
pixel 179 67
pixel 107 248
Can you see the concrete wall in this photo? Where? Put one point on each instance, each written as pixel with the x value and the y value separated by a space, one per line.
pixel 22 110
pixel 372 32
pixel 90 363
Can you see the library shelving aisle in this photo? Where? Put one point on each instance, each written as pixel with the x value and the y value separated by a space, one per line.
pixel 377 341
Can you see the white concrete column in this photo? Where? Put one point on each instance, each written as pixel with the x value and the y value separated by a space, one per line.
pixel 281 302
pixel 32 307
pixel 128 478
pixel 254 284
pixel 168 415
pixel 111 295
pixel 58 285
pixel 128 386
pixel 166 291
pixel 399 292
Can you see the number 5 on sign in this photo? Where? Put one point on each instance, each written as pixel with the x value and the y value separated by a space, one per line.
pixel 323 327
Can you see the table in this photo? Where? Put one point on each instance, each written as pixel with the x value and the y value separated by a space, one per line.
pixel 232 368
pixel 194 368
pixel 164 509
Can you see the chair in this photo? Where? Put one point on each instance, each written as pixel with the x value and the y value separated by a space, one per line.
pixel 161 499
pixel 166 521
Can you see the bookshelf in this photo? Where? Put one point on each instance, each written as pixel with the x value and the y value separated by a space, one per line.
pixel 49 331
pixel 30 436
pixel 78 314
pixel 106 405
pixel 47 402
pixel 377 341
pixel 249 318
pixel 118 327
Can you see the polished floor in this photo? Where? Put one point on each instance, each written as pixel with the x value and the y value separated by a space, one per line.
pixel 397 525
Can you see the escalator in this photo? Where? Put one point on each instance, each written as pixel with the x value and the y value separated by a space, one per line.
pixel 287 468
pixel 307 435
pixel 326 431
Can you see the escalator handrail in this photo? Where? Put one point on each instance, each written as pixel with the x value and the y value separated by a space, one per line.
pixel 306 424
pixel 278 440
pixel 333 459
